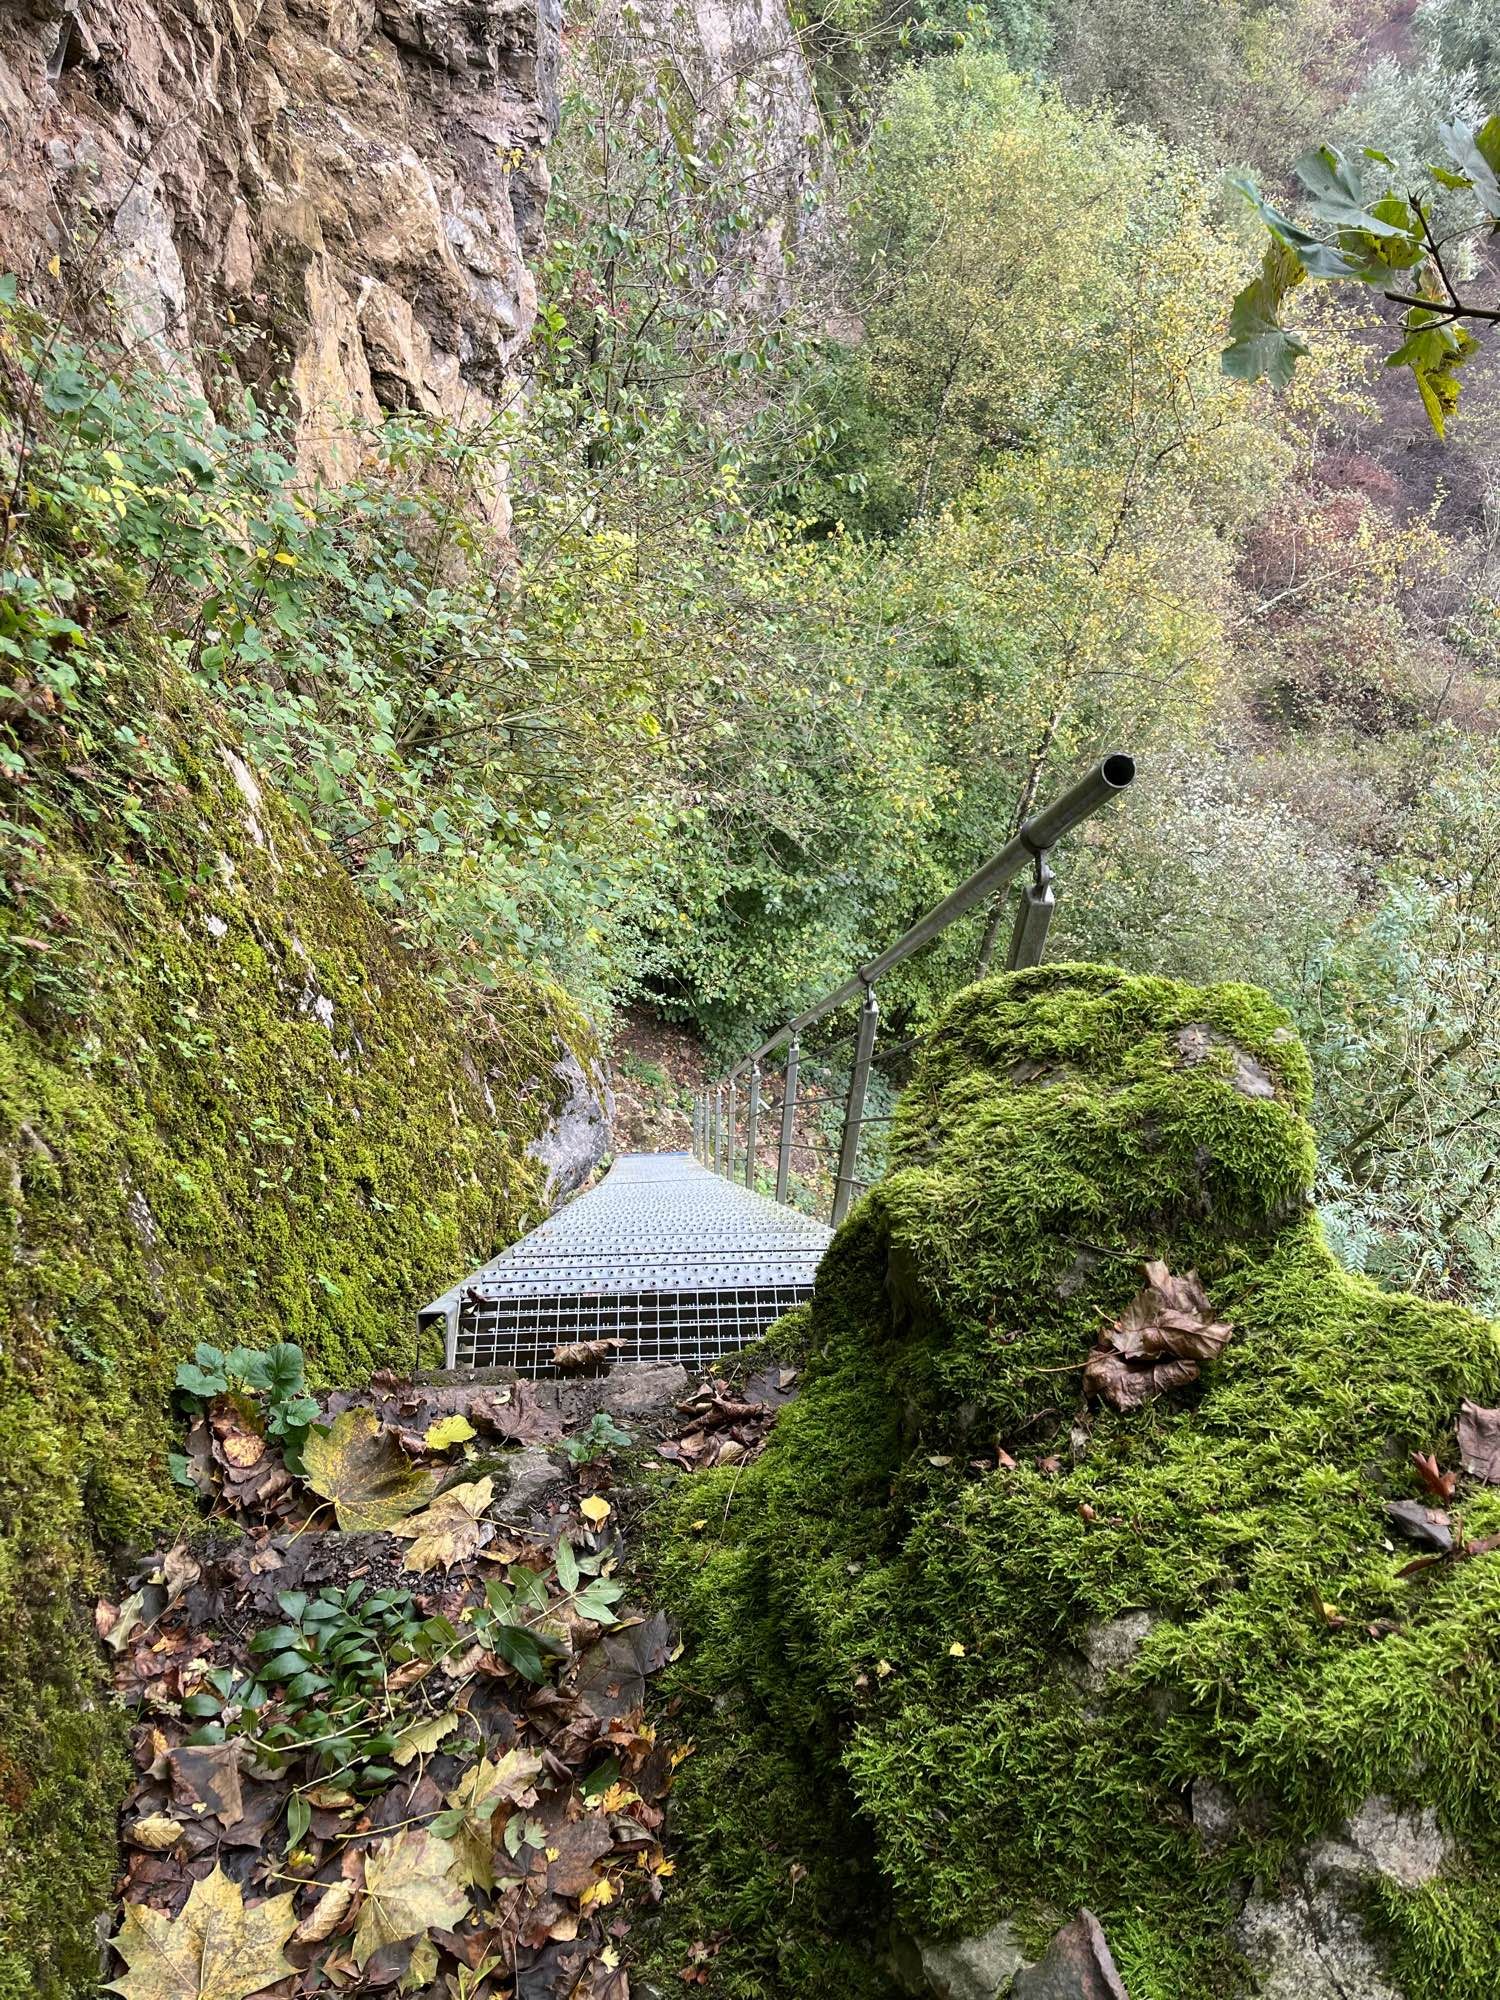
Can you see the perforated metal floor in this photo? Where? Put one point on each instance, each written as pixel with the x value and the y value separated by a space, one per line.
pixel 669 1259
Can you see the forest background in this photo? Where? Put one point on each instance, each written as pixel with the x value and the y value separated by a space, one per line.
pixel 860 493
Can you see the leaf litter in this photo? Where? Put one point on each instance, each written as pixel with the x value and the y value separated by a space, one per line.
pixel 408 1751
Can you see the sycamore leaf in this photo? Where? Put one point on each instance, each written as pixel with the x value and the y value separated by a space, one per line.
pixel 1478 154
pixel 474 1803
pixel 452 1530
pixel 1334 183
pixel 410 1887
pixel 1260 347
pixel 1157 1343
pixel 1318 259
pixel 359 1466
pixel 447 1432
pixel 1434 354
pixel 217 1948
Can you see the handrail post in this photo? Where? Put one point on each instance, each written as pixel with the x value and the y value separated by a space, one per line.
pixel 718 1127
pixel 1033 915
pixel 854 1109
pixel 695 1125
pixel 752 1120
pixel 788 1114
pixel 728 1168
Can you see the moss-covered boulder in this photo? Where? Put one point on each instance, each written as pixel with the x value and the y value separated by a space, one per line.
pixel 971 1649
pixel 232 1108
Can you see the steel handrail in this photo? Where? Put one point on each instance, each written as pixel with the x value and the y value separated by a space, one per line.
pixel 1029 847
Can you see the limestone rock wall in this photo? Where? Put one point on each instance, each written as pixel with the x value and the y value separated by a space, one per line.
pixel 345 195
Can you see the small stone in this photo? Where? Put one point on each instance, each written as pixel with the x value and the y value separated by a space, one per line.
pixel 1309 1947
pixel 977 1968
pixel 534 1479
pixel 1216 1817
pixel 1408 1848
pixel 1109 1645
pixel 1249 1076
pixel 644 1389
pixel 1077 1965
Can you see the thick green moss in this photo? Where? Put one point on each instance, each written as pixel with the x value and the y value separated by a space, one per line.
pixel 919 1623
pixel 231 1109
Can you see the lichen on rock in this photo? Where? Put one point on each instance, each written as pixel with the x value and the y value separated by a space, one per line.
pixel 1025 1652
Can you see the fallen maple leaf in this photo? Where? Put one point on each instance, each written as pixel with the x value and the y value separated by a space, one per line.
pixel 474 1803
pixel 1157 1343
pixel 452 1530
pixel 217 1948
pixel 410 1887
pixel 1479 1442
pixel 359 1466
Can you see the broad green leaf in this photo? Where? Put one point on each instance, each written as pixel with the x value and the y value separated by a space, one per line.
pixel 1335 185
pixel 1260 347
pixel 1478 154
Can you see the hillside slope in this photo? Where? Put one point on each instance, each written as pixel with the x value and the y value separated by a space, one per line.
pixel 230 1110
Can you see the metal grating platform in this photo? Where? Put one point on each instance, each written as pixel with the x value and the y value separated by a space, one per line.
pixel 668 1258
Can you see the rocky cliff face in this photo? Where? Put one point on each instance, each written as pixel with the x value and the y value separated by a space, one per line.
pixel 343 195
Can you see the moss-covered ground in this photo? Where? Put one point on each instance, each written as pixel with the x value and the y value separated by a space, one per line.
pixel 885 1620
pixel 230 1109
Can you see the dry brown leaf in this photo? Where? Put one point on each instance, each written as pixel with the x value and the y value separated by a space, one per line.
pixel 585 1357
pixel 452 1529
pixel 208 1775
pixel 1479 1442
pixel 1157 1343
pixel 325 1916
pixel 410 1886
pixel 217 1948
pixel 359 1466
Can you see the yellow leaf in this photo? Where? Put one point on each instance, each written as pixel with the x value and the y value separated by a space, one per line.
pixel 956 1651
pixel 597 1894
pixel 448 1431
pixel 410 1887
pixel 286 556
pixel 882 1668
pixel 595 1510
pixel 54 267
pixel 420 1739
pixel 452 1530
pixel 156 1831
pixel 216 1948
pixel 484 1795
pixel 325 1916
pixel 358 1465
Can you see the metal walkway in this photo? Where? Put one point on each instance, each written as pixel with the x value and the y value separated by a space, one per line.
pixel 664 1256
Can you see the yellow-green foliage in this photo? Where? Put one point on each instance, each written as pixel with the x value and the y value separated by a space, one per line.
pixel 905 1627
pixel 194 1147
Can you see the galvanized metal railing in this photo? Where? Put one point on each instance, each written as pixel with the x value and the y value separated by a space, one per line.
pixel 716 1108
